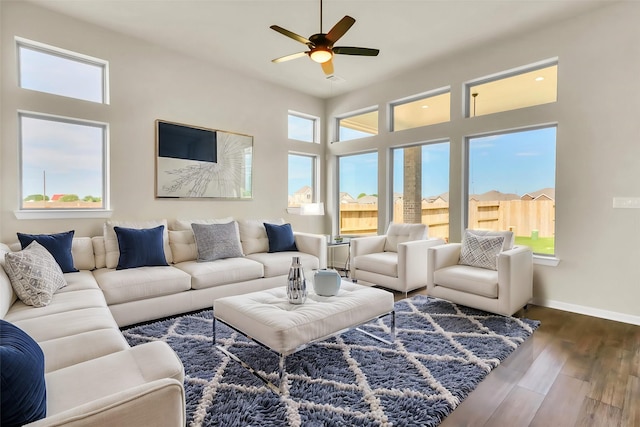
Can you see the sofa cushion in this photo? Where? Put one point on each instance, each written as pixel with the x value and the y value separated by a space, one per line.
pixel 221 272
pixel 400 233
pixel 135 284
pixel 7 294
pixel 217 241
pixel 280 237
pixel 23 391
pixel 82 252
pixel 254 236
pixel 140 247
pixel 278 263
pixel 385 263
pixel 112 253
pixel 480 251
pixel 59 245
pixel 471 280
pixel 34 273
pixel 60 303
pixel 185 224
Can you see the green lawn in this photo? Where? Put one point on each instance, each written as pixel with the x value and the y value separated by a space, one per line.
pixel 541 245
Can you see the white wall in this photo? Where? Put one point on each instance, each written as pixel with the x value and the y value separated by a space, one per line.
pixel 147 83
pixel 598 150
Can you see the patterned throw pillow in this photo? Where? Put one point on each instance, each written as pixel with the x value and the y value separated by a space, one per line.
pixel 34 273
pixel 217 241
pixel 480 251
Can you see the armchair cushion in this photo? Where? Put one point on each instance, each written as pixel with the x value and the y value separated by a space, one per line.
pixel 480 251
pixel 385 263
pixel 477 281
pixel 400 233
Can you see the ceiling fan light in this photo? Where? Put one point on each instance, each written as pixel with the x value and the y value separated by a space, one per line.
pixel 321 55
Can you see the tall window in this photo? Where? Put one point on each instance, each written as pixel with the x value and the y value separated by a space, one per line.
pixel 422 110
pixel 62 163
pixel 302 127
pixel 302 179
pixel 421 187
pixel 358 125
pixel 512 185
pixel 519 89
pixel 358 188
pixel 60 72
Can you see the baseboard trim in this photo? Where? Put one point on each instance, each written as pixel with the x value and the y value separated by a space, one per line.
pixel 589 311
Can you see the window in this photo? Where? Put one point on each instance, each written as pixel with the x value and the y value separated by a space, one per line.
pixel 302 179
pixel 534 86
pixel 302 127
pixel 421 187
pixel 358 189
pixel 422 110
pixel 63 163
pixel 60 72
pixel 359 125
pixel 511 185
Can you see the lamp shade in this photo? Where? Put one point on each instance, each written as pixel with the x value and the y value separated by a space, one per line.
pixel 321 55
pixel 312 209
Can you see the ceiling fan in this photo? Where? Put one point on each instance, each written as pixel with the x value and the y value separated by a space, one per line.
pixel 321 49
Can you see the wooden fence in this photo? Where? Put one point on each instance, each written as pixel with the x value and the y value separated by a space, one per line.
pixel 523 217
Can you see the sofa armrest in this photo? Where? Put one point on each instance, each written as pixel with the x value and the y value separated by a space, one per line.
pixel 312 244
pixel 412 261
pixel 157 403
pixel 441 256
pixel 515 278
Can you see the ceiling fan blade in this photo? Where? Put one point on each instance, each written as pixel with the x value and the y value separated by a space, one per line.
pixel 289 34
pixel 362 51
pixel 340 28
pixel 289 57
pixel 327 67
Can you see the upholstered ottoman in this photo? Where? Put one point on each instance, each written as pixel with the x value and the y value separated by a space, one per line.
pixel 268 318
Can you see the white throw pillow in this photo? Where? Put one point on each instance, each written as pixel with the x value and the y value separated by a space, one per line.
pixel 34 273
pixel 480 251
pixel 508 237
pixel 111 241
pixel 400 233
pixel 254 236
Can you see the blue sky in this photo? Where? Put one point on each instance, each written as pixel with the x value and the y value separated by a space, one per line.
pixel 517 162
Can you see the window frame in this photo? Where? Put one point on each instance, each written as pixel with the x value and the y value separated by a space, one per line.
pixel 500 76
pixel 316 126
pixel 361 112
pixel 46 213
pixel 414 98
pixel 21 42
pixel 315 178
pixel 541 258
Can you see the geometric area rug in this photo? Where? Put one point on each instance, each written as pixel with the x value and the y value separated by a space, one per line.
pixel 441 353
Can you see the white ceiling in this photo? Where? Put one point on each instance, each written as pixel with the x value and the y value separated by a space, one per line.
pixel 236 35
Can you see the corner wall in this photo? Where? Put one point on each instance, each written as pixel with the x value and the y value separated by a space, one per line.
pixel 597 148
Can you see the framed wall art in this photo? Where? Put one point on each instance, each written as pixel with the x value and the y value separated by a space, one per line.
pixel 196 162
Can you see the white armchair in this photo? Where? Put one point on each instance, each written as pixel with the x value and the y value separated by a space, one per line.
pixel 502 291
pixel 396 260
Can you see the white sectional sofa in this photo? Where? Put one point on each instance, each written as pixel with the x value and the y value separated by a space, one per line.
pixel 92 375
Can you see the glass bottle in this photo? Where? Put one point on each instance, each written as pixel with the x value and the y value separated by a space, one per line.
pixel 296 283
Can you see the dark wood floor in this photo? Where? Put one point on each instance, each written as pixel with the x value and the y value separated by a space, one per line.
pixel 574 371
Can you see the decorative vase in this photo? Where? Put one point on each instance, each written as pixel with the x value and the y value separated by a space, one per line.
pixel 296 283
pixel 326 283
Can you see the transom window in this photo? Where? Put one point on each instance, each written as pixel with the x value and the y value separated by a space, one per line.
pixel 302 127
pixel 513 90
pixel 358 125
pixel 57 71
pixel 62 163
pixel 421 110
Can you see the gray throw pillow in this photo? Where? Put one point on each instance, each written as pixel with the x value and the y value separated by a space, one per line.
pixel 217 241
pixel 480 251
pixel 34 273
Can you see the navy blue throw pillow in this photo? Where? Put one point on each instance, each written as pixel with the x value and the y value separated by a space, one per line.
pixel 22 387
pixel 280 237
pixel 142 247
pixel 58 245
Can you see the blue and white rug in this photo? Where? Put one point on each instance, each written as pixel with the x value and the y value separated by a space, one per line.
pixel 441 353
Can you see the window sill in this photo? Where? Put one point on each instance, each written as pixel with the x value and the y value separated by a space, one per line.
pixel 549 261
pixel 63 214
